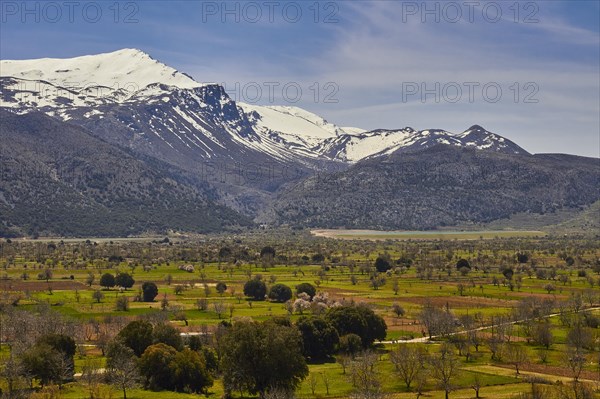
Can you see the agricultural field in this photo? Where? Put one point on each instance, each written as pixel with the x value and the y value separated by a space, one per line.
pixel 490 315
pixel 425 235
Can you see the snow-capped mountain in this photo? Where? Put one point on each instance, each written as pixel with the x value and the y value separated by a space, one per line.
pixel 87 80
pixel 148 148
pixel 309 134
pixel 353 148
pixel 128 98
pixel 298 130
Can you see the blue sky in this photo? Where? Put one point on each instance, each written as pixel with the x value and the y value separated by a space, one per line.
pixel 370 64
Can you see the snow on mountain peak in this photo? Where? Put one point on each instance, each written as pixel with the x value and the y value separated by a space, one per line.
pixel 128 69
pixel 85 87
pixel 295 125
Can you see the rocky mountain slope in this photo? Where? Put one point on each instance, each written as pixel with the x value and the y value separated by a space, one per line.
pixel 439 186
pixel 58 179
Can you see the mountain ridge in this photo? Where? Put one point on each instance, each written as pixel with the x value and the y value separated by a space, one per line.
pixel 128 77
pixel 436 187
pixel 195 151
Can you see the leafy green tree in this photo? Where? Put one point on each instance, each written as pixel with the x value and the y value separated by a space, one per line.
pixel 137 335
pixel 377 328
pixel 350 344
pixel 360 320
pixel 115 259
pixel 60 342
pixel 149 291
pixel 42 362
pixel 224 253
pixel 463 263
pixel 163 367
pixel 508 273
pixel 164 333
pixel 280 293
pixel 51 359
pixel 256 289
pixel 66 348
pixel 155 366
pixel 569 261
pixel 259 357
pixel 189 372
pixel 210 358
pixel 347 320
pixel 382 264
pixel 124 280
pixel 307 288
pixel 107 280
pixel 319 337
pixel 267 252
pixel 318 258
pixel 194 342
pixel 221 287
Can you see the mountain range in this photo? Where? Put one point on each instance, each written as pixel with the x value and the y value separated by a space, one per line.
pixel 154 150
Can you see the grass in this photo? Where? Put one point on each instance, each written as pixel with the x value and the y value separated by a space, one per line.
pixel 426 235
pixel 480 296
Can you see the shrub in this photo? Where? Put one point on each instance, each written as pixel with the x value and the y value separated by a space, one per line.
pixel 382 264
pixel 124 280
pixel 256 289
pixel 107 280
pixel 307 288
pixel 149 291
pixel 122 304
pixel 463 263
pixel 280 293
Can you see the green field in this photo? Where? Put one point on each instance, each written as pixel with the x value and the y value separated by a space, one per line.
pixel 557 269
pixel 426 235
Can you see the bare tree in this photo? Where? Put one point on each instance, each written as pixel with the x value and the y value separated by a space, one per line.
pixel 580 336
pixel 408 361
pixel 398 310
pixel 98 296
pixel 420 381
pixel 313 384
pixel 590 296
pixel 436 320
pixel 516 355
pixel 364 378
pixel 575 359
pixel 444 368
pixel 202 304
pixel 13 372
pixel 575 390
pixel 279 393
pixel 91 375
pixel 326 382
pixel 121 367
pixel 542 334
pixel 219 307
pixel 476 385
pixel 344 361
